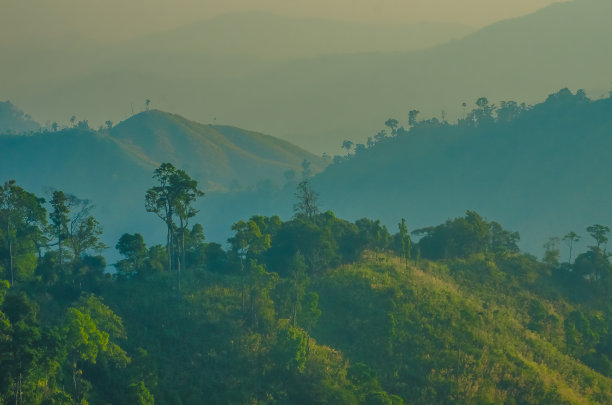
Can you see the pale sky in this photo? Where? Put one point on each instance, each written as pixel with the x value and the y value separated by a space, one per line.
pixel 111 20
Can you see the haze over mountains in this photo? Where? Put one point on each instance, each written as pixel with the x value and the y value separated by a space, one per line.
pixel 113 168
pixel 538 171
pixel 317 101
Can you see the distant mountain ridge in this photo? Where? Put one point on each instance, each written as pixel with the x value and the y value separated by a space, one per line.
pixel 219 156
pixel 544 173
pixel 113 167
pixel 541 171
pixel 13 120
pixel 320 101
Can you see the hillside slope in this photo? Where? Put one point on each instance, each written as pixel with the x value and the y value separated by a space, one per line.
pixel 114 167
pixel 457 332
pixel 217 156
pixel 348 95
pixel 544 173
pixel 13 120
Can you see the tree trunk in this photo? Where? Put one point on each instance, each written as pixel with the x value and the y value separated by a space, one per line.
pixel 11 261
pixel 183 249
pixel 59 244
pixel 10 247
pixel 169 246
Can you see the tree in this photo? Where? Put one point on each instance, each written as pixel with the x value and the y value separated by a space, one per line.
pixel 599 232
pixel 161 200
pixel 135 251
pixel 59 219
pixel 147 104
pixel 83 230
pixel 109 124
pixel 405 243
pixel 412 117
pixel 73 120
pixel 348 145
pixel 306 205
pixel 392 123
pixel 188 193
pixel 22 218
pixel 173 196
pixel 571 238
pixel 551 251
pixel 248 241
pixel 90 330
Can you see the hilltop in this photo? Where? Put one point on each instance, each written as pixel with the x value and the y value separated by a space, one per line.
pixel 218 156
pixel 318 101
pixel 113 167
pixel 313 310
pixel 541 170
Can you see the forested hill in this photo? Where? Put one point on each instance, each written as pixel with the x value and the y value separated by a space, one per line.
pixel 537 169
pixel 113 166
pixel 540 169
pixel 219 156
pixel 312 310
pixel 319 101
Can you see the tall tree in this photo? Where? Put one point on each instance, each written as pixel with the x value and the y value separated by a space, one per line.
pixel 188 193
pixel 599 232
pixel 22 217
pixel 59 219
pixel 570 239
pixel 173 196
pixel 392 123
pixel 405 243
pixel 412 117
pixel 247 243
pixel 161 201
pixel 83 230
pixel 306 205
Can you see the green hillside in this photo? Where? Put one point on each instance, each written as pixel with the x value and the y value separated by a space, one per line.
pixel 90 163
pixel 540 169
pixel 313 310
pixel 218 156
pixel 542 172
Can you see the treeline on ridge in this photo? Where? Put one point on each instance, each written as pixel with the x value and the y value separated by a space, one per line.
pixel 314 309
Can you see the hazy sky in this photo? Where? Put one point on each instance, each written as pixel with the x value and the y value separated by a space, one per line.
pixel 29 20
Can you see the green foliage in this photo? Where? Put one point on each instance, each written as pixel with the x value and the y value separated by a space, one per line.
pixel 290 349
pixel 140 395
pixel 312 310
pixel 465 236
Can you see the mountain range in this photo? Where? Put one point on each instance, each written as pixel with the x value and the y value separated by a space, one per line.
pixel 113 167
pixel 541 172
pixel 318 100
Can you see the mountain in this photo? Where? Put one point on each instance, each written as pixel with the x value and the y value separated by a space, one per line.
pixel 542 171
pixel 318 101
pixel 114 167
pixel 219 156
pixel 275 37
pixel 13 120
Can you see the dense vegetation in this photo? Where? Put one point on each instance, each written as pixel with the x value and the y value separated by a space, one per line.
pixel 315 309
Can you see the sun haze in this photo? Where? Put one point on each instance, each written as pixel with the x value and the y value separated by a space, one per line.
pixel 116 20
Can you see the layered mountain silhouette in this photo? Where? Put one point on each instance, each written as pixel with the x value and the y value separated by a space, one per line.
pixel 113 167
pixel 542 171
pixel 318 101
pixel 14 120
